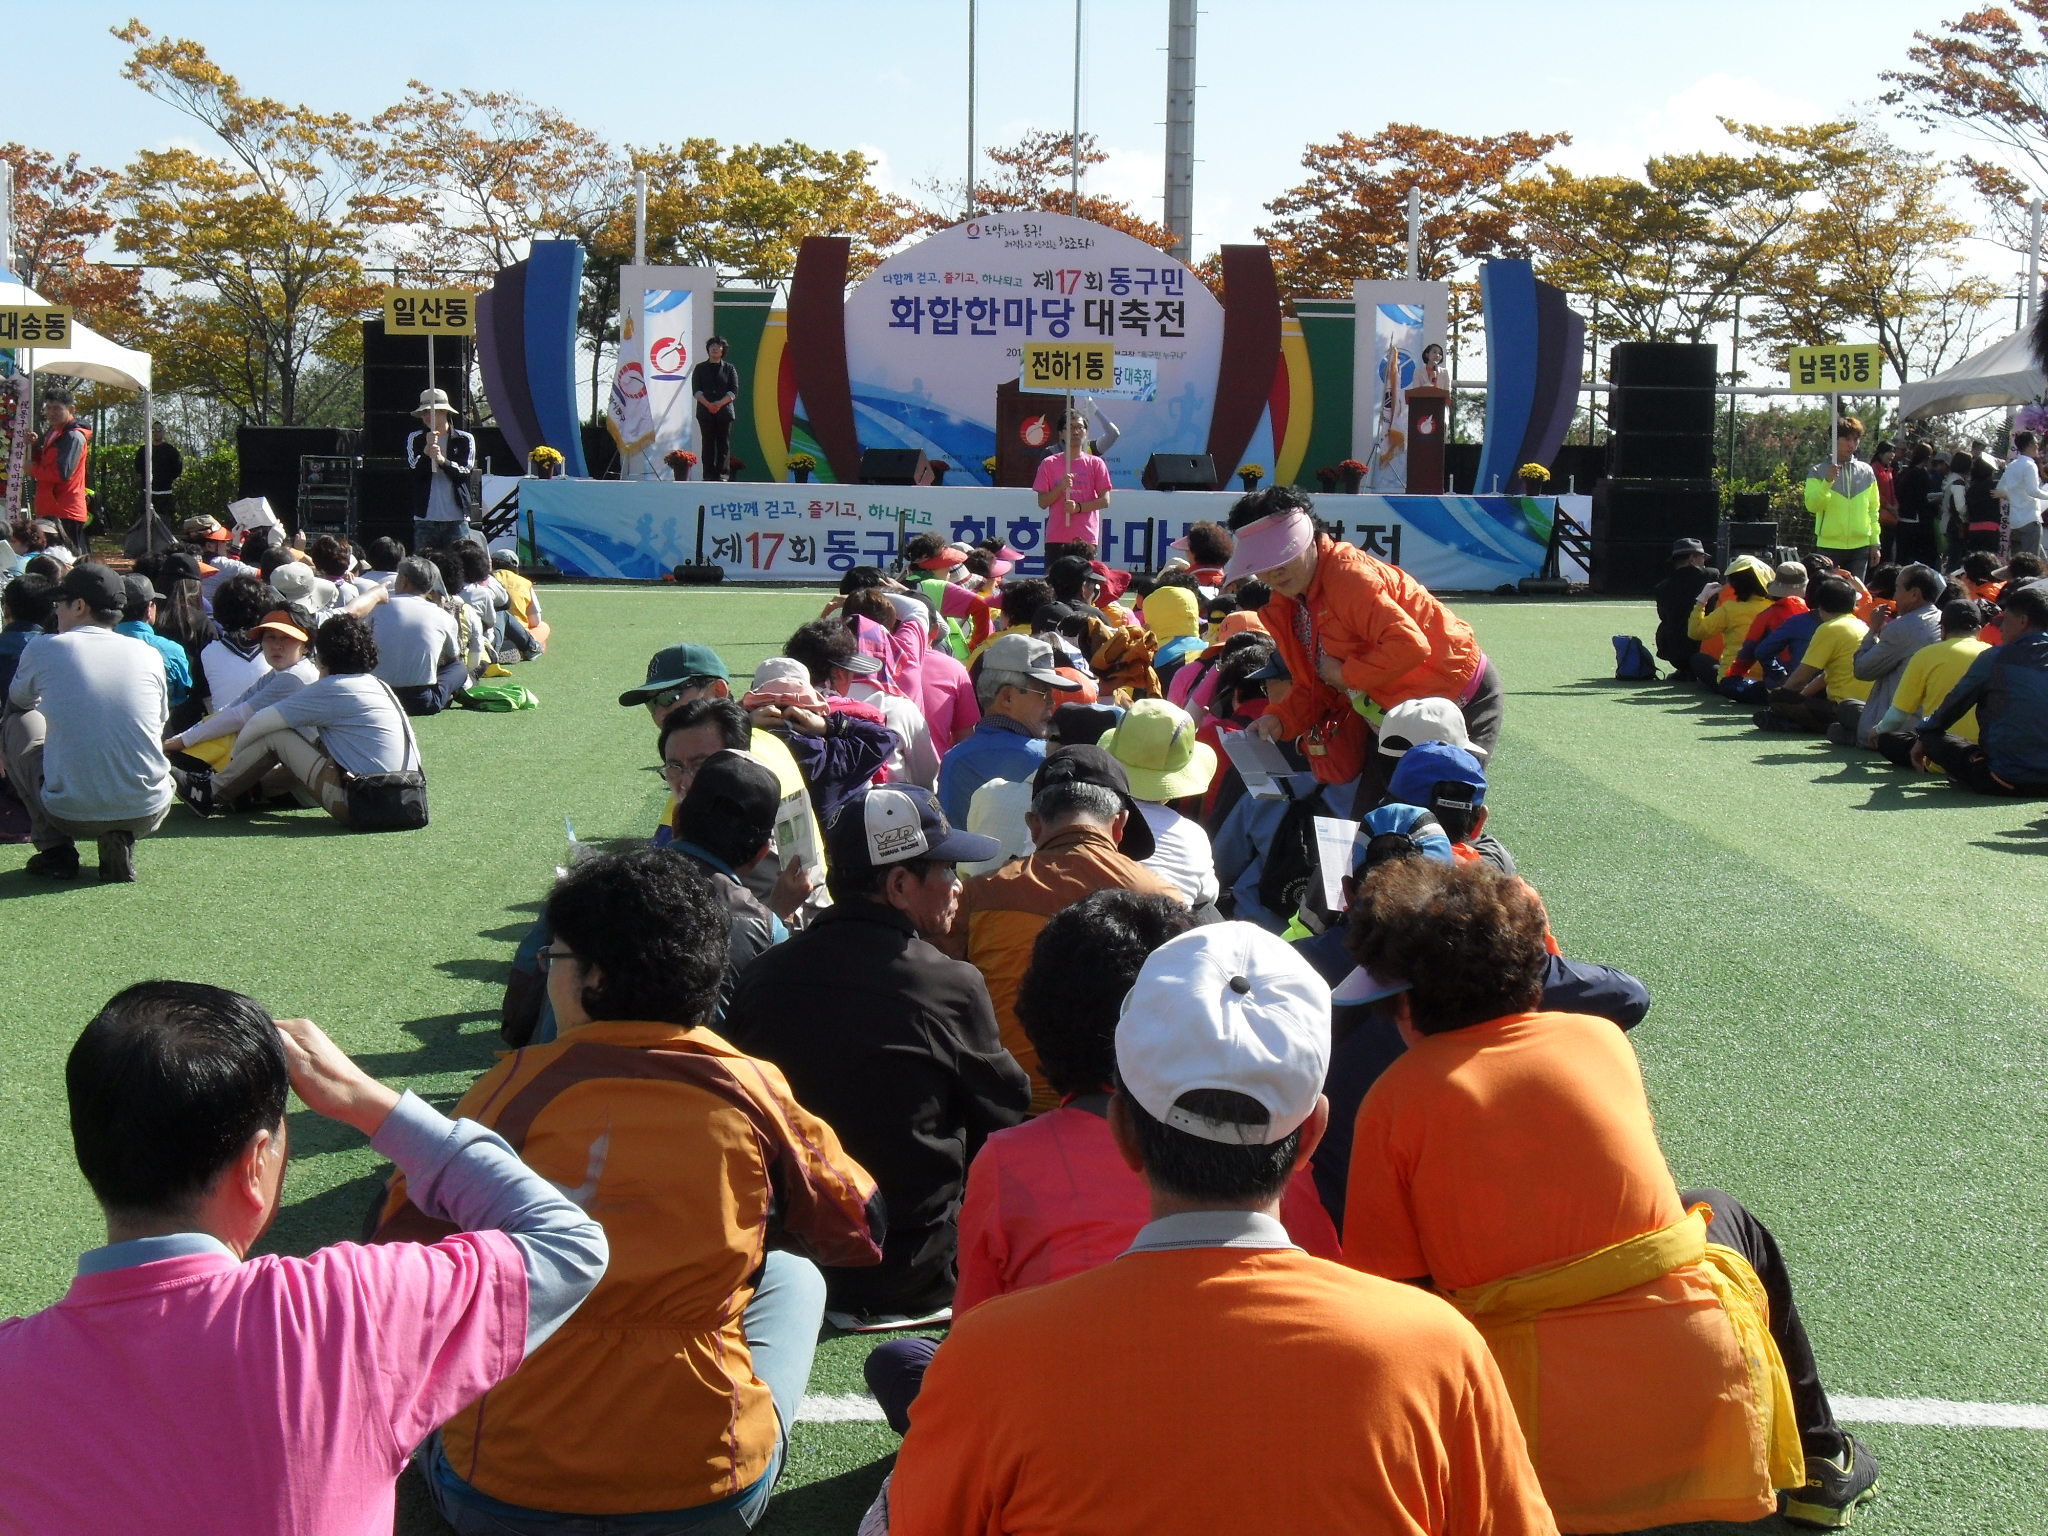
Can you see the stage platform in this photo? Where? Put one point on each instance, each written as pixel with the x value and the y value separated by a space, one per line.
pixel 640 530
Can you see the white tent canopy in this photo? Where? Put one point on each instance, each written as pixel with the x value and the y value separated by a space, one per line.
pixel 90 356
pixel 2005 374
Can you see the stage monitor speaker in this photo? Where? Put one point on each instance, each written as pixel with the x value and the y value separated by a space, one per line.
pixel 1752 506
pixel 1179 472
pixel 1661 455
pixel 1663 365
pixel 1747 538
pixel 895 466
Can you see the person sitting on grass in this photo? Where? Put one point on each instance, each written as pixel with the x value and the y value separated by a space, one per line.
pixel 473 613
pixel 138 622
pixel 271 1393
pixel 1050 1198
pixel 725 821
pixel 383 556
pixel 419 649
pixel 234 659
pixel 846 675
pixel 1165 759
pixel 309 743
pixel 1448 782
pixel 1813 693
pixel 1914 622
pixel 1016 687
pixel 285 640
pixel 1675 596
pixel 670 1402
pixel 1507 1160
pixel 1768 649
pixel 522 604
pixel 1173 615
pixel 30 605
pixel 1091 1403
pixel 1930 676
pixel 2007 685
pixel 839 752
pixel 1721 617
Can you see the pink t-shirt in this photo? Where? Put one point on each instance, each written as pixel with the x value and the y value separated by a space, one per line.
pixel 195 1396
pixel 1051 1198
pixel 949 704
pixel 1063 525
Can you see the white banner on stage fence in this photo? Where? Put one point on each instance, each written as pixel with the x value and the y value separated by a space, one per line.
pixel 642 530
pixel 664 313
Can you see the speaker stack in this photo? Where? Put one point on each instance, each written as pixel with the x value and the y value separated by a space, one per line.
pixel 394 374
pixel 1660 463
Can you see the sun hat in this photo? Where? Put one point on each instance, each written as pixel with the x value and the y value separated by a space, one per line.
pixel 280 622
pixel 1791 580
pixel 782 680
pixel 1763 573
pixel 1114 582
pixel 1243 622
pixel 1028 654
pixel 674 666
pixel 201 528
pixel 1227 1006
pixel 1172 613
pixel 944 560
pixel 1084 724
pixel 1092 765
pixel 1687 547
pixel 297 582
pixel 1413 721
pixel 1156 743
pixel 894 823
pixel 1430 763
pixel 1270 542
pixel 433 400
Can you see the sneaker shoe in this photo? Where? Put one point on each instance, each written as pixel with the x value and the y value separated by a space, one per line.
pixel 1833 1489
pixel 1838 733
pixel 117 858
pixel 54 863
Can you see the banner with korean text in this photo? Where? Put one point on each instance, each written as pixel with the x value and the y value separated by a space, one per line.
pixel 663 314
pixel 642 530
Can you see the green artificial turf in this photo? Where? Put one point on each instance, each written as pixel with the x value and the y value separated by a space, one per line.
pixel 1847 1032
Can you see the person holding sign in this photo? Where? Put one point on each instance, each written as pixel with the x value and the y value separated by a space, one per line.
pixel 1842 495
pixel 59 468
pixel 441 457
pixel 1073 488
pixel 716 385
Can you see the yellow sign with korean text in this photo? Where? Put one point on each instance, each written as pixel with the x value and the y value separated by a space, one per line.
pixel 35 325
pixel 1053 366
pixel 429 312
pixel 1836 370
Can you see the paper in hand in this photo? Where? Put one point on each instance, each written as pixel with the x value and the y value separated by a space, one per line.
pixel 1335 839
pixel 1262 764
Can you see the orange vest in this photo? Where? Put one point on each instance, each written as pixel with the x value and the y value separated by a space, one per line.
pixel 59 495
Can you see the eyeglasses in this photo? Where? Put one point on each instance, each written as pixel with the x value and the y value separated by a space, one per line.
pixel 668 696
pixel 546 959
pixel 676 772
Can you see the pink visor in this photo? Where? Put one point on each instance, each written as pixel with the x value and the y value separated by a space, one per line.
pixel 1269 543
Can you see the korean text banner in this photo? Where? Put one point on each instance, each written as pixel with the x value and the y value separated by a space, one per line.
pixel 1836 370
pixel 642 530
pixel 933 330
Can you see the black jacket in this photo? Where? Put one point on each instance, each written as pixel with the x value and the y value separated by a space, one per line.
pixel 714 381
pixel 895 1046
pixel 1675 596
pixel 750 928
pixel 458 460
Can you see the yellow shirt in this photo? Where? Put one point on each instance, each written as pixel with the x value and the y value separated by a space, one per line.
pixel 1833 651
pixel 1931 672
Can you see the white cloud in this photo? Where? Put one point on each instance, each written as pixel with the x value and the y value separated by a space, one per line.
pixel 1688 121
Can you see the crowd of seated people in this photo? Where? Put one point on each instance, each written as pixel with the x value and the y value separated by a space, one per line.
pixel 1049 1034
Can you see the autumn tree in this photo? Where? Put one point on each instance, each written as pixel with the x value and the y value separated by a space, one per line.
pixel 1985 76
pixel 1349 218
pixel 1037 174
pixel 493 171
pixel 62 208
pixel 262 242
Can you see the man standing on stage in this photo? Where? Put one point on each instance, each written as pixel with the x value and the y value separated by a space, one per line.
pixel 440 456
pixel 716 384
pixel 59 468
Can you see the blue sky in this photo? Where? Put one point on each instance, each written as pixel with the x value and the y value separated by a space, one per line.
pixel 1625 79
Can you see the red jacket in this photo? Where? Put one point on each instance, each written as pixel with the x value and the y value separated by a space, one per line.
pixel 59 470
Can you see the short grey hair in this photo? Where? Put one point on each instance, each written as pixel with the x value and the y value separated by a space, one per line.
pixel 418 573
pixel 994 680
pixel 1095 802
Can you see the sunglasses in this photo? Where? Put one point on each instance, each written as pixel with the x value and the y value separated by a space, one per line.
pixel 668 696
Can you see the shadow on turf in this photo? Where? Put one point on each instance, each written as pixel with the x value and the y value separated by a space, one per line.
pixel 833 1503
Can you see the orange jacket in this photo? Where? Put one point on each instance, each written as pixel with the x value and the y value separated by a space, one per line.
pixel 1001 912
pixel 696 1158
pixel 1394 640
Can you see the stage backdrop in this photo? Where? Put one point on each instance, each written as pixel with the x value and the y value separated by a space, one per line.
pixel 1398 320
pixel 641 530
pixel 932 331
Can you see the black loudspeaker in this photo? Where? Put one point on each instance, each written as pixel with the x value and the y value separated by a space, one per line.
pixel 895 466
pixel 1752 506
pixel 1660 455
pixel 1179 472
pixel 1663 365
pixel 1640 408
pixel 1635 523
pixel 384 500
pixel 1744 538
pixel 267 462
pixel 394 374
pixel 1630 567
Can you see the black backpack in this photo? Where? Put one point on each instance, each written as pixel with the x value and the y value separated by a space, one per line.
pixel 1291 858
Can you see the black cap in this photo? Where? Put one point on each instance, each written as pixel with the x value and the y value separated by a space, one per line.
pixel 139 588
pixel 179 566
pixel 730 808
pixel 1083 725
pixel 1093 765
pixel 100 586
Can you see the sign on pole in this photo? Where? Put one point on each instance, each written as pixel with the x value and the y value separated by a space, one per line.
pixel 429 312
pixel 1836 370
pixel 35 325
pixel 1050 367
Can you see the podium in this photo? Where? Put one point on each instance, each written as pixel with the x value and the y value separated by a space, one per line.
pixel 1428 408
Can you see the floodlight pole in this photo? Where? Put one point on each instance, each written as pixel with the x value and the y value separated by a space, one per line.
pixel 1073 208
pixel 1180 127
pixel 639 218
pixel 971 29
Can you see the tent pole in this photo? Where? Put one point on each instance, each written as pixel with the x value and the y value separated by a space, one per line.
pixel 149 470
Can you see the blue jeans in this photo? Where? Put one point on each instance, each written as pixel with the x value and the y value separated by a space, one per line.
pixel 782 1323
pixel 438 534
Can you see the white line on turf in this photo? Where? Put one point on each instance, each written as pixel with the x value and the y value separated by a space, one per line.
pixel 859 1408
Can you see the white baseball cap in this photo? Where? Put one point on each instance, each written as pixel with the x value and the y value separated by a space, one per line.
pixel 1226 1006
pixel 1414 721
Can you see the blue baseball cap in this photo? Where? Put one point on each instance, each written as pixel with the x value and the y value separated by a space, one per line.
pixel 1430 763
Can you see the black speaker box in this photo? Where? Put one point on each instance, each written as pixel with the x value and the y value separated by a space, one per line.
pixel 1629 567
pixel 1179 472
pixel 267 462
pixel 1746 538
pixel 1752 506
pixel 384 500
pixel 1644 409
pixel 1655 511
pixel 895 466
pixel 1661 455
pixel 394 374
pixel 1663 364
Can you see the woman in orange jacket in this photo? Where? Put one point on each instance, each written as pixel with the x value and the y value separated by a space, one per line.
pixel 1347 623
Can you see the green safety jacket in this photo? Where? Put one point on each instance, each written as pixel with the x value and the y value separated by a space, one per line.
pixel 1843 501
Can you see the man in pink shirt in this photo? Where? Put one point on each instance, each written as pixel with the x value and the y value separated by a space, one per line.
pixel 184 1389
pixel 1073 487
